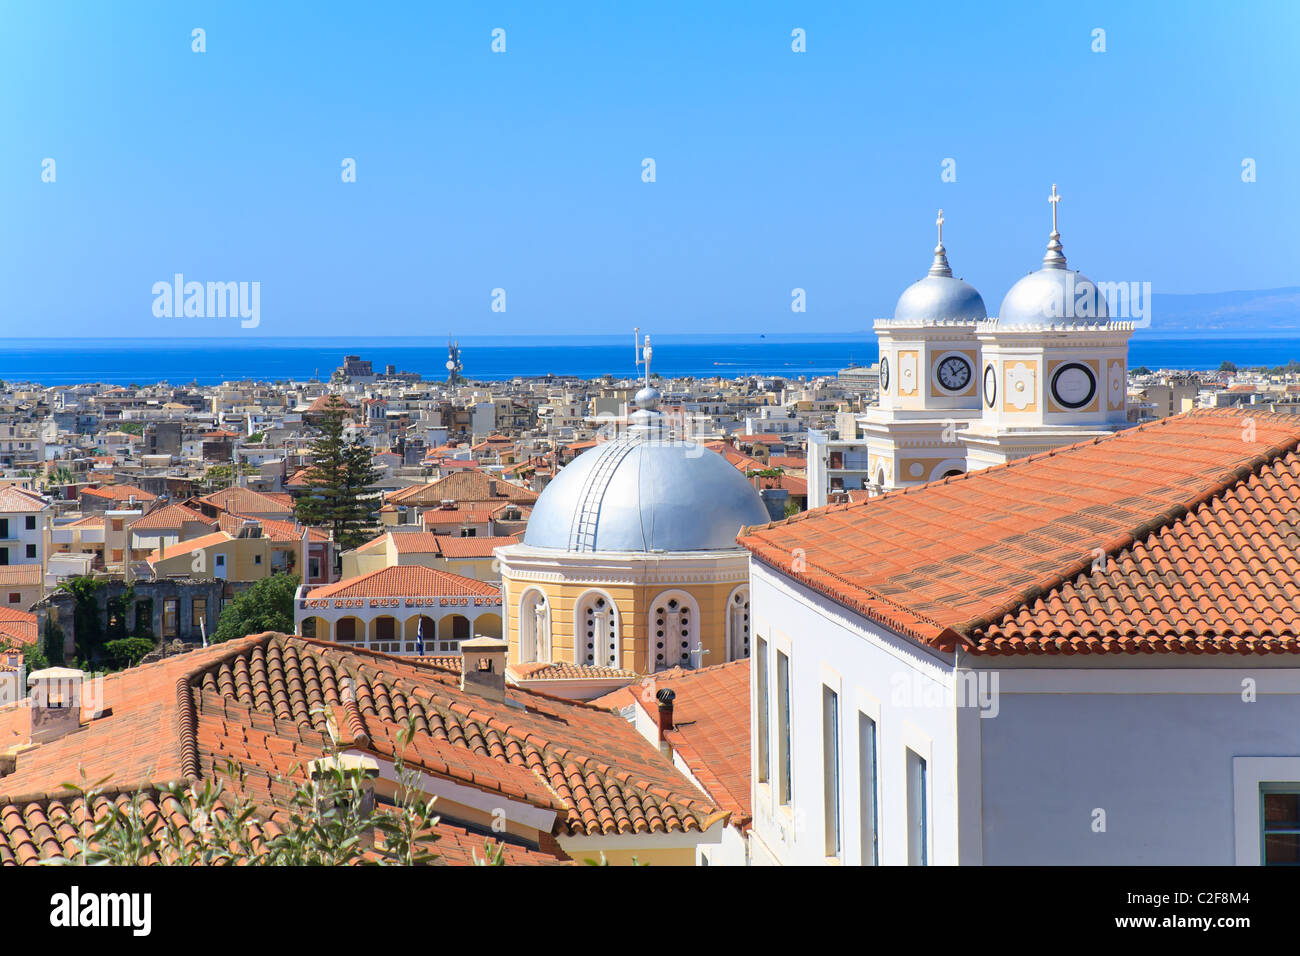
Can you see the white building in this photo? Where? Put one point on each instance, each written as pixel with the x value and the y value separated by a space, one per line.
pixel 960 390
pixel 1088 656
pixel 23 517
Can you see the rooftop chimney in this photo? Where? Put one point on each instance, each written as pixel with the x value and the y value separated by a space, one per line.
pixel 55 703
pixel 483 666
pixel 665 698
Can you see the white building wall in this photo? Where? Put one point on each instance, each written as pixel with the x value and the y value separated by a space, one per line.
pixel 1156 750
pixel 906 690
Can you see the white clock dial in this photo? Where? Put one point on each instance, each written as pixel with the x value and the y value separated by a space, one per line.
pixel 1073 385
pixel 954 373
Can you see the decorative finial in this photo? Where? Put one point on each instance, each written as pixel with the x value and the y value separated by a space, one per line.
pixel 1055 258
pixel 940 265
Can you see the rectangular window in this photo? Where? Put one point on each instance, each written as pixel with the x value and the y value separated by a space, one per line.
pixel 198 612
pixel 117 555
pixel 4 527
pixel 1280 816
pixel 346 629
pixel 4 555
pixel 257 559
pixel 313 568
pixel 31 551
pixel 831 769
pixel 171 616
pixel 783 727
pixel 15 597
pixel 870 826
pixel 764 729
pixel 385 628
pixel 31 522
pixel 917 824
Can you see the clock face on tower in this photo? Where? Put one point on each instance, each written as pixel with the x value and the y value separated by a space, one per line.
pixel 884 374
pixel 1073 385
pixel 990 385
pixel 954 373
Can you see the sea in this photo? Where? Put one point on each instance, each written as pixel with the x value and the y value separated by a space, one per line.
pixel 499 358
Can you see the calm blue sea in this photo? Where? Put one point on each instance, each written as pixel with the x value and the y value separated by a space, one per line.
pixel 209 361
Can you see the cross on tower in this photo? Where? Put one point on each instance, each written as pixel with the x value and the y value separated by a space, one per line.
pixel 939 222
pixel 697 655
pixel 1054 199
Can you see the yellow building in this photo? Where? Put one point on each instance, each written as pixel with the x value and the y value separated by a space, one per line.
pixel 630 561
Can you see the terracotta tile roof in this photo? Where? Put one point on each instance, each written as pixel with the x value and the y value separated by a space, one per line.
pixel 119 493
pixel 168 517
pixel 268 702
pixel 20 574
pixel 562 670
pixel 404 581
pixel 248 501
pixel 710 729
pixel 457 516
pixel 1177 536
pixel 463 486
pixel 17 628
pixel 188 547
pixel 273 530
pixel 452 546
pixel 90 521
pixel 327 402
pixel 14 499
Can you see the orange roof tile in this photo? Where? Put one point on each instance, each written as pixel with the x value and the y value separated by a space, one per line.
pixel 1172 536
pixel 168 517
pixel 404 581
pixel 119 493
pixel 266 701
pixel 14 499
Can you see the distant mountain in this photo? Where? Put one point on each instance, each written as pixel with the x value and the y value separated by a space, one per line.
pixel 1263 310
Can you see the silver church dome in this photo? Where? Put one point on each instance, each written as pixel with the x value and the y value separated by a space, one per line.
pixel 640 492
pixel 1053 295
pixel 939 295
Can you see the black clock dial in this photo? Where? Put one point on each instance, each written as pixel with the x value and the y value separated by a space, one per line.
pixel 990 385
pixel 954 373
pixel 1073 385
pixel 884 374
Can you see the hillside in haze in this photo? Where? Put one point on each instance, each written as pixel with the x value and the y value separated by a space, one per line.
pixel 1262 310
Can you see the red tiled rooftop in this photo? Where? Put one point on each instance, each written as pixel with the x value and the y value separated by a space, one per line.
pixel 404 581
pixel 271 702
pixel 1179 536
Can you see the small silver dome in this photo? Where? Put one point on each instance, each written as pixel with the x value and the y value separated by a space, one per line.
pixel 939 297
pixel 643 493
pixel 1053 296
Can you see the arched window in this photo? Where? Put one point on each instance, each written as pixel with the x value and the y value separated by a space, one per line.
pixel 738 624
pixel 596 631
pixel 674 630
pixel 534 627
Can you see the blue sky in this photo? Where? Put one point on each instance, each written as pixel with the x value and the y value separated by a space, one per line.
pixel 522 170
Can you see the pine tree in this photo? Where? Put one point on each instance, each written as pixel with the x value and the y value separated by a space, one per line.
pixel 337 481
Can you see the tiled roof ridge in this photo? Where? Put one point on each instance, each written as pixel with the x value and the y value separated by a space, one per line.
pixel 906 620
pixel 473 711
pixel 147 785
pixel 1267 417
pixel 486 720
pixel 1144 531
